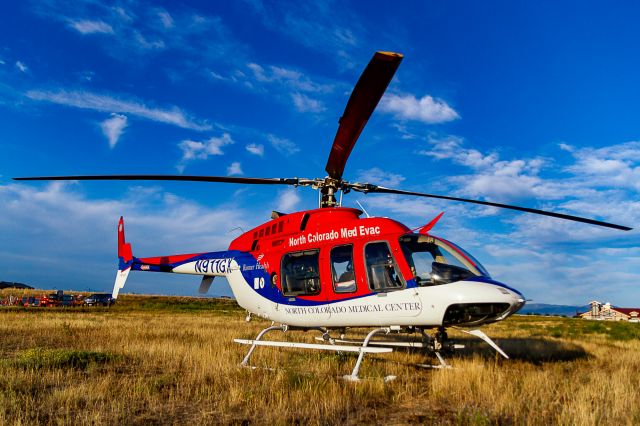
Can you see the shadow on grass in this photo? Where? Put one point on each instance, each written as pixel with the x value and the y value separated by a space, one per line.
pixel 528 349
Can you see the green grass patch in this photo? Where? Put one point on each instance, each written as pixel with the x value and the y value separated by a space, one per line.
pixel 576 328
pixel 38 358
pixel 175 304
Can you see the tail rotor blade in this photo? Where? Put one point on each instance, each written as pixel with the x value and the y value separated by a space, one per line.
pixel 365 97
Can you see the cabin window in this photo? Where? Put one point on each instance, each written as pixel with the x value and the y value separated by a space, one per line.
pixel 300 273
pixel 344 279
pixel 280 226
pixel 261 233
pixel 267 231
pixel 273 228
pixel 382 269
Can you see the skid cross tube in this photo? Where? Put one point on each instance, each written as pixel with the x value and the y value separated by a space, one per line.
pixel 354 374
pixel 245 361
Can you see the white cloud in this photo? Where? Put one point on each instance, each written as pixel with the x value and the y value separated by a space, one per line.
pixel 427 109
pixel 194 150
pixel 165 19
pixel 324 26
pixel 146 43
pixel 107 103
pixel 598 185
pixel 565 147
pixel 60 215
pixel 234 169
pixel 113 128
pixel 282 145
pixel 256 149
pixel 616 165
pixel 138 28
pixel 501 180
pixel 304 103
pixel 86 26
pixel 379 177
pixel 21 66
pixel 288 200
pixel 288 78
pixel 451 147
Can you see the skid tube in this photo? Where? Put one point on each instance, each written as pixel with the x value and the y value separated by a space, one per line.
pixel 361 349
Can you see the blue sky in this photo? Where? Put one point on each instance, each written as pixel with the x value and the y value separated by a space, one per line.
pixel 530 104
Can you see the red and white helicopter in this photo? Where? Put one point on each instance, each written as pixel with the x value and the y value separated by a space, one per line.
pixel 330 269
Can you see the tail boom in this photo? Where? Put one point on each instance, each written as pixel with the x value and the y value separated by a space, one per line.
pixel 213 264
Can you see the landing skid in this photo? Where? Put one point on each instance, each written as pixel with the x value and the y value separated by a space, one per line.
pixel 438 344
pixel 360 349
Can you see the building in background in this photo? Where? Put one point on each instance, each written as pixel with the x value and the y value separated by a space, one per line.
pixel 606 312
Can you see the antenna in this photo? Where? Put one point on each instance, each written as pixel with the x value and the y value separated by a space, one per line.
pixel 237 228
pixel 363 209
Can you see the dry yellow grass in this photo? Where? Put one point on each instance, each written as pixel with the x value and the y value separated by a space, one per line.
pixel 148 361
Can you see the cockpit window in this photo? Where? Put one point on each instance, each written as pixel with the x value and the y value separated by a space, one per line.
pixel 434 261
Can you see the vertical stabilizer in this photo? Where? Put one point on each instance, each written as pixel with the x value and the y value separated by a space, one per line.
pixel 125 260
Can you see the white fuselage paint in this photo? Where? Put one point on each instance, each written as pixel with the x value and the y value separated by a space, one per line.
pixel 422 306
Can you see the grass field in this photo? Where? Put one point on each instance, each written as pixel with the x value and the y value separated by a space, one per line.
pixel 160 360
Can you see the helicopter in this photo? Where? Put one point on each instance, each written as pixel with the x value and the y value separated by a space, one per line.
pixel 330 269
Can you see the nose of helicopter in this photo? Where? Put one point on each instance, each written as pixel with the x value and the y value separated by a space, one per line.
pixel 481 302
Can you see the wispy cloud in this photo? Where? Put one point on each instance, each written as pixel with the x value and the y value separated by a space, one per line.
pixel 288 200
pixel 616 165
pixel 282 145
pixel 322 26
pixel 113 128
pixel 594 186
pixel 290 78
pixel 500 180
pixel 426 109
pixel 380 177
pixel 303 103
pixel 21 66
pixel 60 215
pixel 256 149
pixel 85 26
pixel 108 103
pixel 195 150
pixel 140 28
pixel 165 18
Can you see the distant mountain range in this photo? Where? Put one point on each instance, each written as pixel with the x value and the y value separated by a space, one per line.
pixel 546 309
pixel 8 284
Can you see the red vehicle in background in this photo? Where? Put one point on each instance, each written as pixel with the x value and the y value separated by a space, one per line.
pixel 51 300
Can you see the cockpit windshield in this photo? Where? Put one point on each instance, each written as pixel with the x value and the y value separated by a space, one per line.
pixel 434 261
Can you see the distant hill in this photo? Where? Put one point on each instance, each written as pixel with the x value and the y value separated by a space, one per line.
pixel 7 284
pixel 546 309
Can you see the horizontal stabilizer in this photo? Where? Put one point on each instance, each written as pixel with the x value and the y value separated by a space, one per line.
pixel 205 285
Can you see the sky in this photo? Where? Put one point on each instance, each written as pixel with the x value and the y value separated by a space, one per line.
pixel 527 103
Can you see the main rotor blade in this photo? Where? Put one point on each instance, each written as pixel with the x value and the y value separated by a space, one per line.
pixel 365 97
pixel 226 179
pixel 380 189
